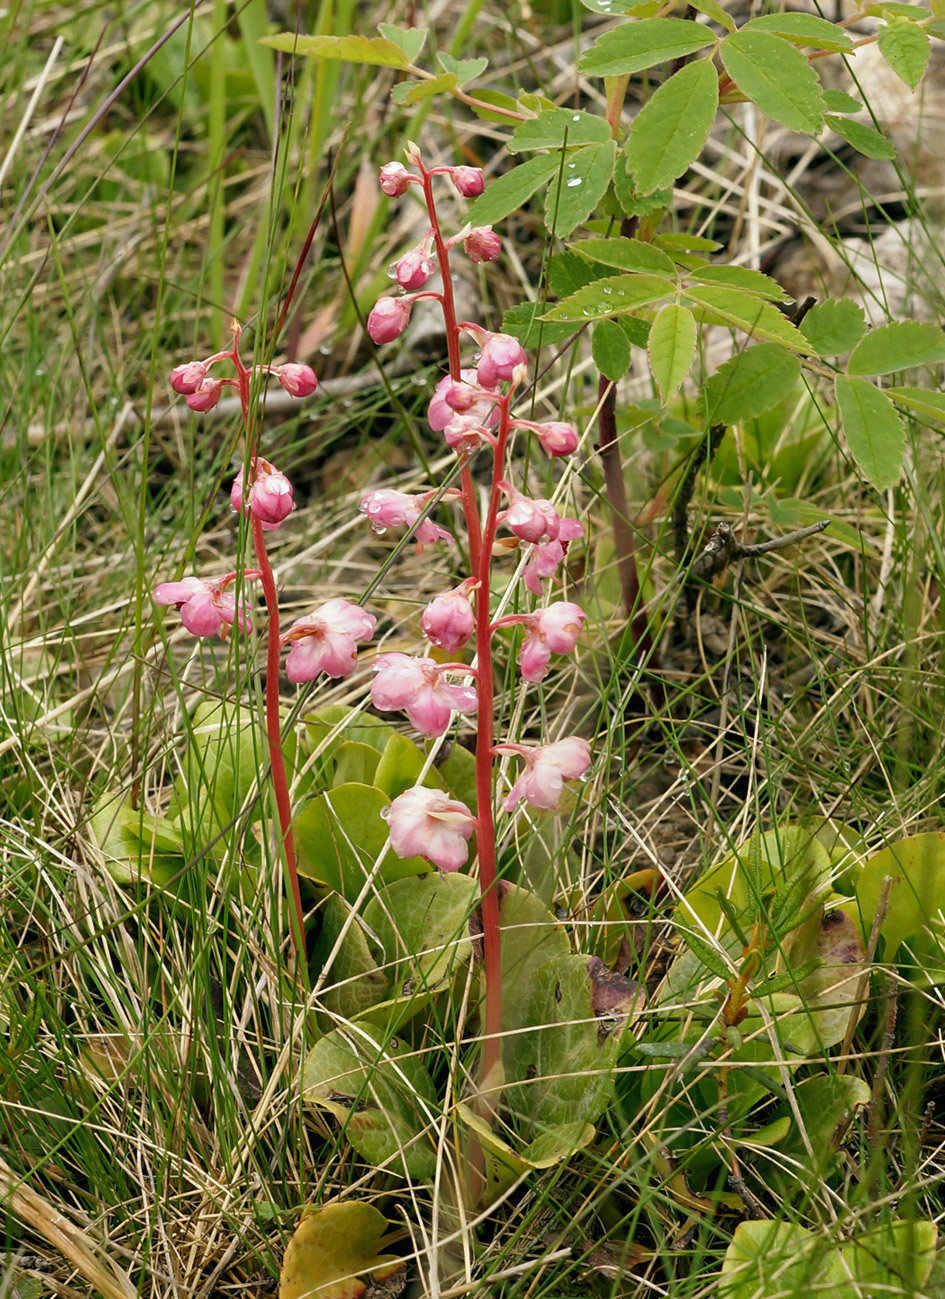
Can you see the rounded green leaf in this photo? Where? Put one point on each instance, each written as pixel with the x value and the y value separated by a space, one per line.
pixel 834 326
pixel 671 346
pixel 610 348
pixel 339 835
pixel 916 866
pixel 750 383
pixel 422 927
pixel 776 76
pixel 670 131
pixel 873 429
pixel 905 47
pixel 333 1254
pixel 897 347
pixel 643 44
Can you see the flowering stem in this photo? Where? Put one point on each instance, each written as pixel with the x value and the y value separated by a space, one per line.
pixel 273 718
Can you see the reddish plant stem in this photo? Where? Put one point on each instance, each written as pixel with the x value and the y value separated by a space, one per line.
pixel 273 718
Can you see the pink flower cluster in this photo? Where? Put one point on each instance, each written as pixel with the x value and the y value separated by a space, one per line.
pixel 201 392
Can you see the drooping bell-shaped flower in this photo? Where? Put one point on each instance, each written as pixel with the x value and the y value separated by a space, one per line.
pixel 387 508
pixel 473 402
pixel 418 687
pixel 269 498
pixel 556 437
pixel 482 244
pixel 547 767
pixel 552 630
pixel 545 558
pixel 206 395
pixel 414 269
pixel 388 319
pixel 326 640
pixel 502 356
pixel 428 823
pixel 531 520
pixel 448 621
pixel 468 180
pixel 395 179
pixel 207 608
pixel 299 380
pixel 187 378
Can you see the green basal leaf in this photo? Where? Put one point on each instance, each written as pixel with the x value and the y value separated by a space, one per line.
pixel 721 305
pixel 906 48
pixel 464 70
pixel 412 92
pixel 399 767
pixel 803 29
pixel 644 44
pixel 863 138
pixel 354 982
pixel 410 39
pixel 838 101
pixel 830 992
pixel 671 347
pixel 339 835
pixel 916 866
pixel 556 127
pixel 898 347
pixel 355 761
pixel 612 296
pixel 374 50
pixel 874 432
pixel 610 349
pixel 584 181
pixel 334 1252
pixel 670 130
pixel 625 255
pixel 380 1093
pixel 421 926
pixel 776 76
pixel 921 401
pixel 127 855
pixel 750 383
pixel 834 326
pixel 740 277
pixel 512 190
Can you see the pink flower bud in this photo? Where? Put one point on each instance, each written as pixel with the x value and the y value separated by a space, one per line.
pixel 297 379
pixel 206 608
pixel 441 411
pixel 482 244
pixel 386 508
pixel 547 767
pixel 416 686
pixel 270 497
pixel 468 180
pixel 395 179
pixel 449 620
pixel 206 396
pixel 545 558
pixel 326 640
pixel 413 270
pixel 187 378
pixel 529 519
pixel 428 823
pixel 501 356
pixel 557 438
pixel 553 630
pixel 388 320
pixel 465 434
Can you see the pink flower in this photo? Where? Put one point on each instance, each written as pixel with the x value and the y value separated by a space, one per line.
pixel 387 508
pixel 465 434
pixel 205 607
pixel 205 396
pixel 468 180
pixel 482 244
pixel 270 497
pixel 501 357
pixel 395 179
pixel 556 437
pixel 413 270
pixel 448 621
pixel 416 685
pixel 388 320
pixel 529 519
pixel 325 641
pixel 297 379
pixel 428 823
pixel 552 630
pixel 188 378
pixel 545 558
pixel 440 411
pixel 547 767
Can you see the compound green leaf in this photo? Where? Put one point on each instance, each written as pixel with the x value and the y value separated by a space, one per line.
pixel 834 326
pixel 644 44
pixel 897 347
pixel 670 131
pixel 743 278
pixel 611 297
pixel 803 29
pixel 873 429
pixel 584 180
pixel 716 13
pixel 333 1255
pixel 776 76
pixel 610 348
pixel 374 50
pixel 905 47
pixel 671 347
pixel 750 383
pixel 722 305
pixel 625 255
pixel 863 138
pixel 556 127
pixel 512 190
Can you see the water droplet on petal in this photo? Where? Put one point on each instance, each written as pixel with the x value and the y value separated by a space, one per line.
pixel 392 271
pixel 375 527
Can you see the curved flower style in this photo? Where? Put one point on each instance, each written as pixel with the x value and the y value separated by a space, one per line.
pixel 326 640
pixel 206 608
pixel 553 630
pixel 547 767
pixel 270 497
pixel 416 686
pixel 428 823
pixel 449 620
pixel 387 508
